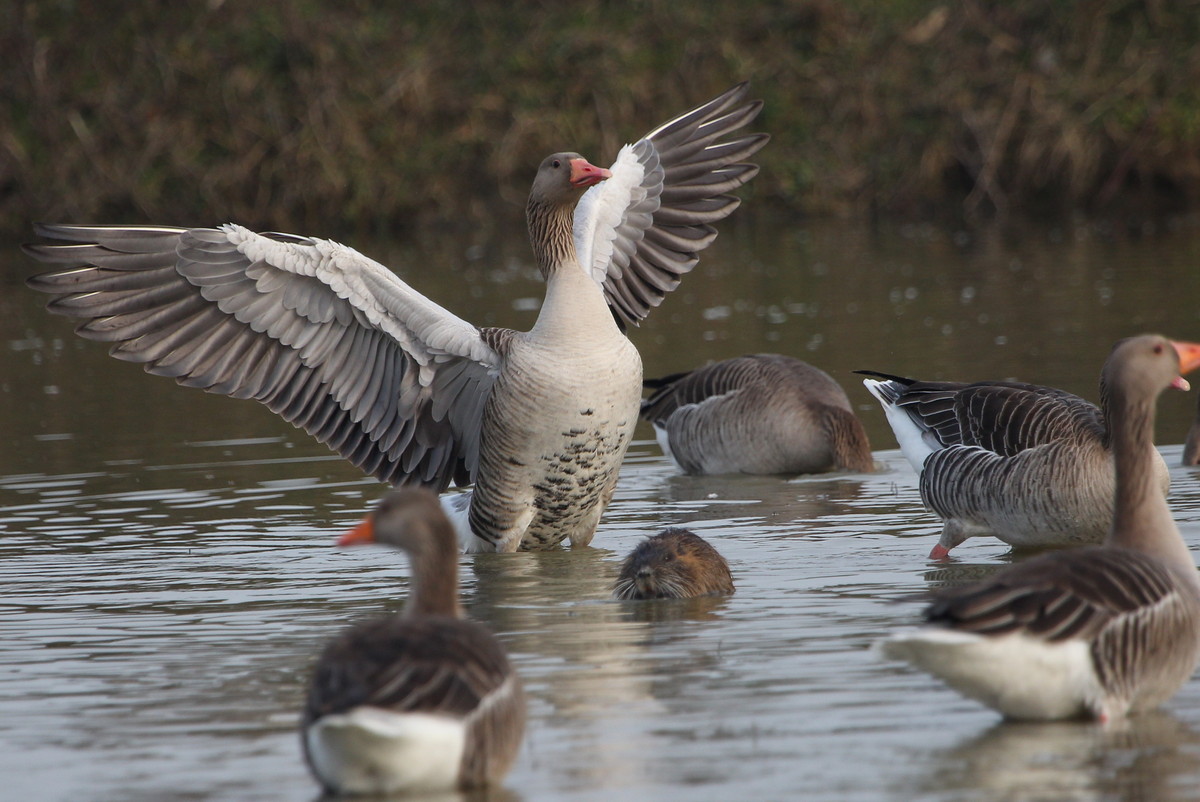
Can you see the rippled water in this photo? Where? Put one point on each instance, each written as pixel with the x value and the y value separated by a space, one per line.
pixel 167 571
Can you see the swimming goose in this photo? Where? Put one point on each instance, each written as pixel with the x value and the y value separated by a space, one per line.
pixel 760 414
pixel 1099 631
pixel 1030 465
pixel 338 345
pixel 422 701
pixel 674 564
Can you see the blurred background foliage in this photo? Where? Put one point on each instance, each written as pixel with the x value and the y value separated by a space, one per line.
pixel 334 117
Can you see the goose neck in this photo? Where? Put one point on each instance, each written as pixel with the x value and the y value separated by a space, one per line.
pixel 551 233
pixel 1141 520
pixel 435 579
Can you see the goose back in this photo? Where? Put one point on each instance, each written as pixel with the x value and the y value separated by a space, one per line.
pixel 759 414
pixel 1030 465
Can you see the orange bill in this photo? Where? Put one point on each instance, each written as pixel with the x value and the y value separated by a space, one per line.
pixel 363 533
pixel 584 173
pixel 1189 360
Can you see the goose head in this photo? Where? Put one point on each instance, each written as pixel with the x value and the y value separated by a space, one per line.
pixel 561 181
pixel 1150 361
pixel 412 520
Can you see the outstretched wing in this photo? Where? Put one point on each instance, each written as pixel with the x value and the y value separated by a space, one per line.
pixel 643 228
pixel 330 340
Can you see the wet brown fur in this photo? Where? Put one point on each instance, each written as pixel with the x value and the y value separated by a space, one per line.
pixel 674 564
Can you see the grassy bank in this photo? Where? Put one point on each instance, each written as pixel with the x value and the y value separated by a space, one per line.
pixel 329 117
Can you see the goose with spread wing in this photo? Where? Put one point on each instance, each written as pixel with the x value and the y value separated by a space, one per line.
pixel 1094 632
pixel 337 344
pixel 1027 464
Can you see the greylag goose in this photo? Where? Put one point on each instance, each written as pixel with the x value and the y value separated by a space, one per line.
pixel 422 701
pixel 1098 631
pixel 759 414
pixel 674 564
pixel 338 345
pixel 1191 443
pixel 1030 465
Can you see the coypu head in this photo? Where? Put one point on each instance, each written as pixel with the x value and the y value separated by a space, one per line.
pixel 674 564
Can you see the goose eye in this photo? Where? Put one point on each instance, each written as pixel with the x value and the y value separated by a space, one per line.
pixel 557 164
pixel 1158 349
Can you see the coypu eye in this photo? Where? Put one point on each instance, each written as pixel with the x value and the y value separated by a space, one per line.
pixel 668 557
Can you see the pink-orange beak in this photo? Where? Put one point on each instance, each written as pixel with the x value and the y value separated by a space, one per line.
pixel 939 552
pixel 584 173
pixel 363 533
pixel 1189 360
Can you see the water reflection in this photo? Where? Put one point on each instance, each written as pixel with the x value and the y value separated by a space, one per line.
pixel 1143 758
pixel 500 794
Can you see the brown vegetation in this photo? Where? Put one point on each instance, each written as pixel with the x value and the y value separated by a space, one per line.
pixel 323 117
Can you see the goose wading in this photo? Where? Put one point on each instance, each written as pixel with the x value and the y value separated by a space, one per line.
pixel 1029 465
pixel 1097 632
pixel 338 345
pixel 422 701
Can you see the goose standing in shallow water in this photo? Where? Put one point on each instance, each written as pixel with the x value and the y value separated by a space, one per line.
pixel 421 701
pixel 759 414
pixel 1027 464
pixel 336 344
pixel 1099 631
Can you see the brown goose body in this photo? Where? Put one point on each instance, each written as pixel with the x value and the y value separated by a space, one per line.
pixel 757 414
pixel 1191 443
pixel 337 344
pixel 1100 631
pixel 421 701
pixel 1027 464
pixel 674 564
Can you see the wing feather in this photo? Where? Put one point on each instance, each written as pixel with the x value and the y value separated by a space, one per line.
pixel 1056 596
pixel 643 228
pixel 434 665
pixel 329 339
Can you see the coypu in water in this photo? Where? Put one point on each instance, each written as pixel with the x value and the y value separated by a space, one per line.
pixel 674 564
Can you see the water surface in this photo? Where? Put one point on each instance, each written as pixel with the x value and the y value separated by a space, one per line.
pixel 167 571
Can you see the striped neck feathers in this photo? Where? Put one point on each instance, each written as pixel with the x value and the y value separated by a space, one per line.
pixel 551 233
